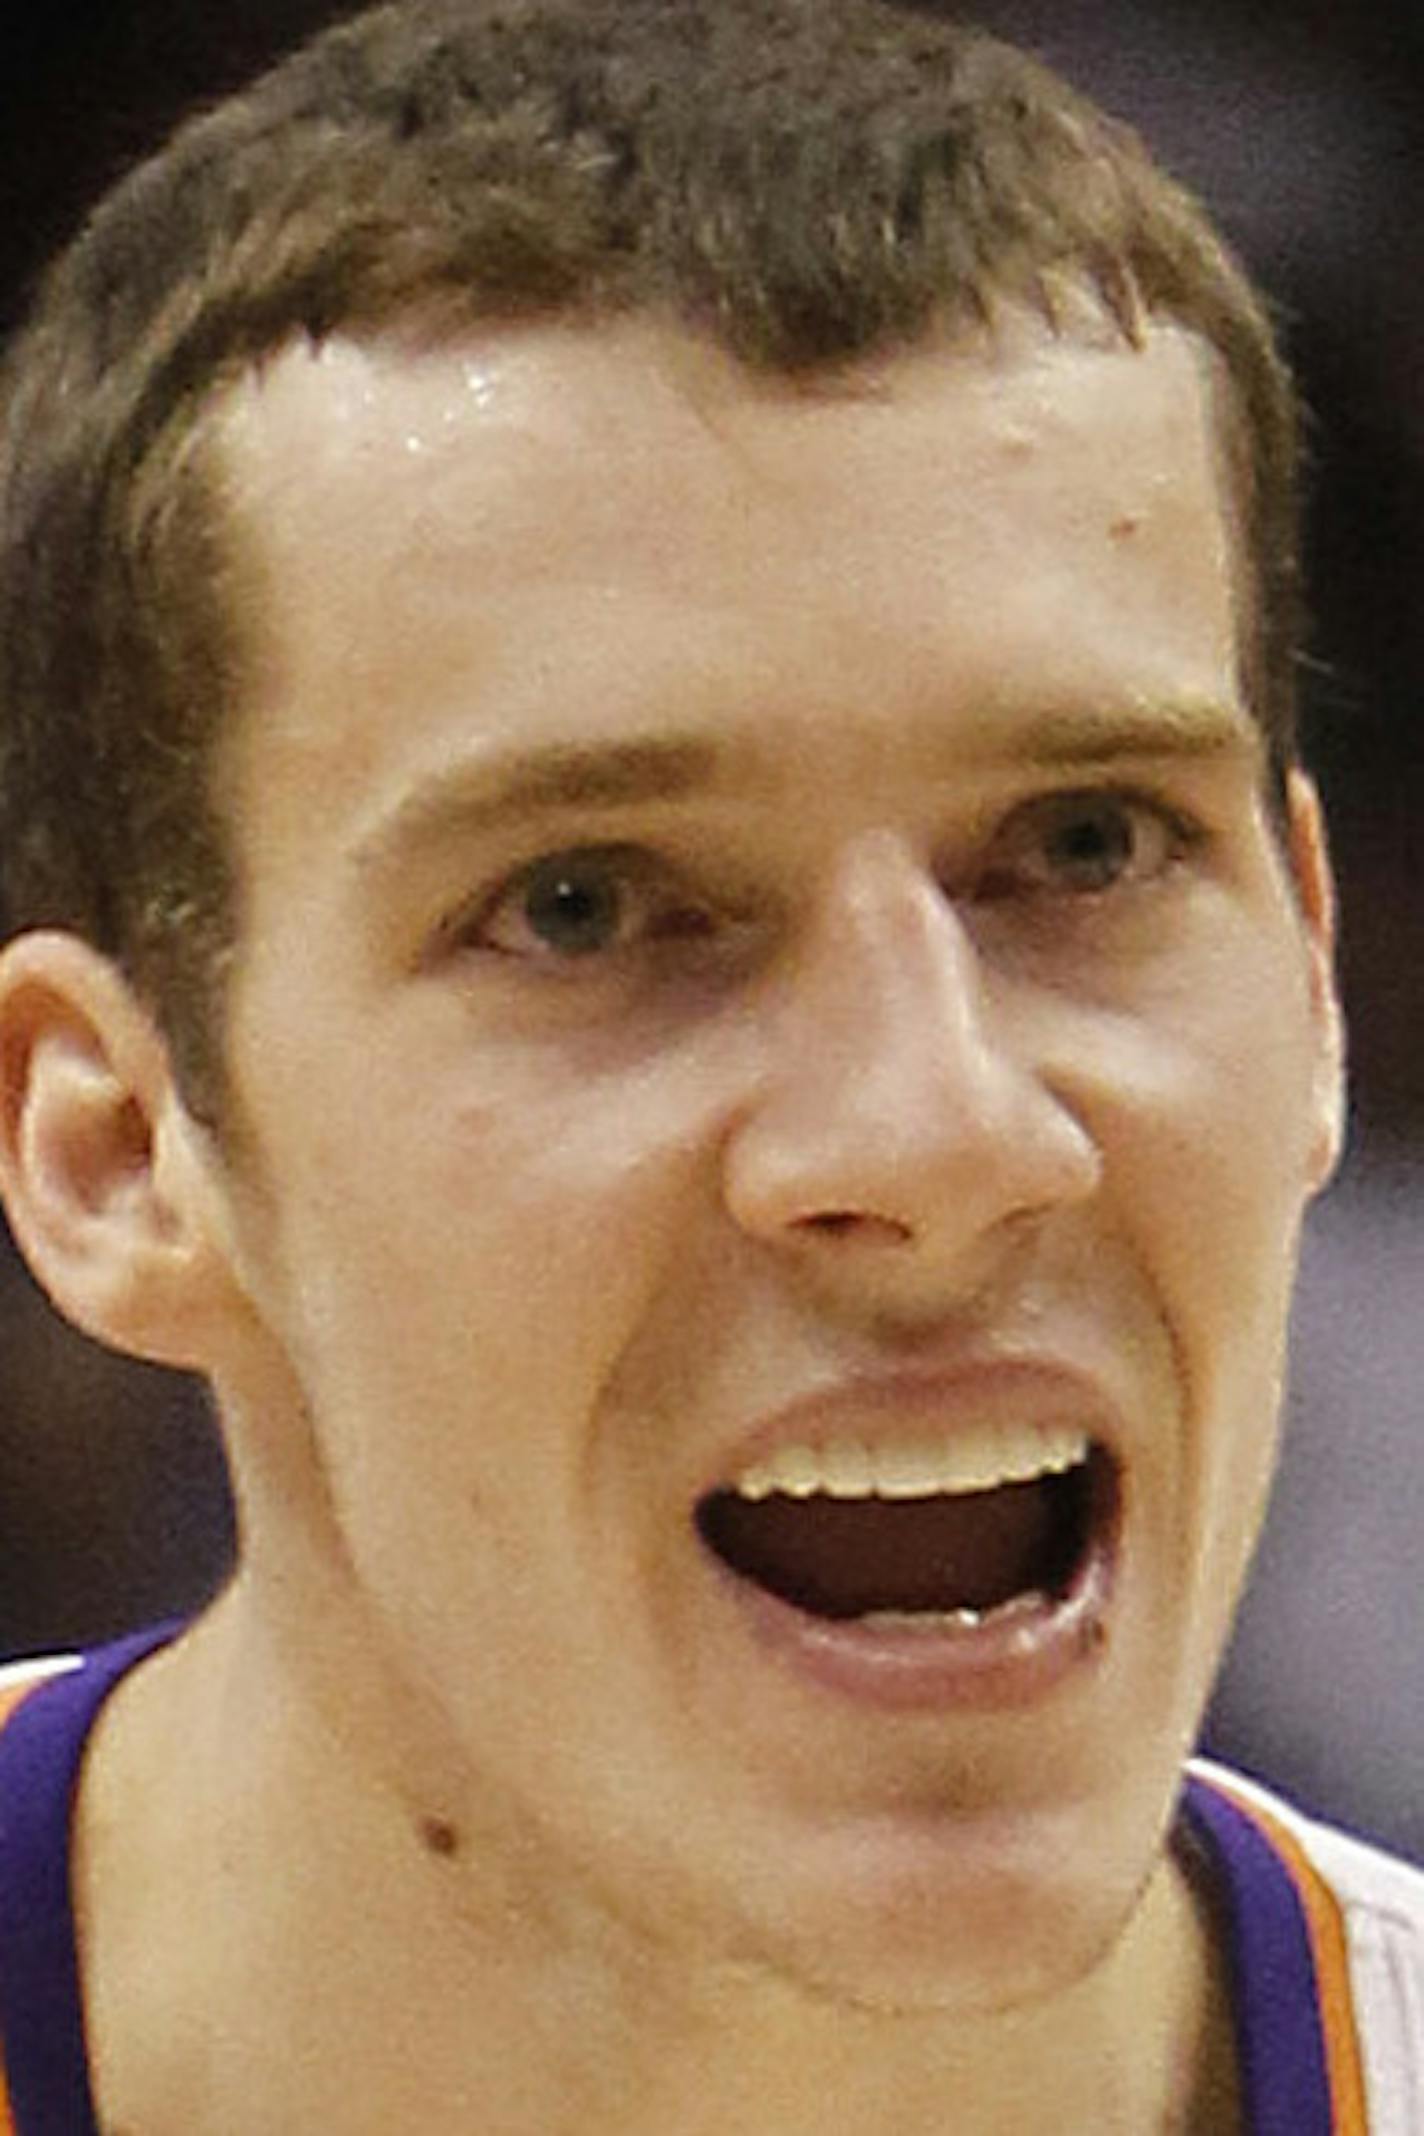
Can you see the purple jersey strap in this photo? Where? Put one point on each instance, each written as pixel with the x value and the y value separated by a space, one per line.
pixel 1280 2039
pixel 41 2018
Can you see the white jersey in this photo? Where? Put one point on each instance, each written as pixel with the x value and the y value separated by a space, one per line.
pixel 1327 1938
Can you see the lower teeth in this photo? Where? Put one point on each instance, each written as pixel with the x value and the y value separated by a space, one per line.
pixel 921 1620
pixel 947 1620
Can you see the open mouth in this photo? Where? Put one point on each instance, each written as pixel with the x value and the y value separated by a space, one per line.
pixel 914 1535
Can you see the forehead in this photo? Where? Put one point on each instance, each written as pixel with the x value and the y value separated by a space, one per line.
pixel 597 414
pixel 565 533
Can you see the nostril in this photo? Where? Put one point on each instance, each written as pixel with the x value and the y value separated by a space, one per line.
pixel 840 1223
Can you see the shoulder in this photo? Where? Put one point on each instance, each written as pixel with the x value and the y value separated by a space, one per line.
pixel 79 1682
pixel 47 1708
pixel 1379 1900
pixel 18 1677
pixel 1360 1875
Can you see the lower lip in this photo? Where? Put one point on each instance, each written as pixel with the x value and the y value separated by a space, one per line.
pixel 1014 1657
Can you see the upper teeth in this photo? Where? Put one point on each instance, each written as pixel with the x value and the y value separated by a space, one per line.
pixel 974 1460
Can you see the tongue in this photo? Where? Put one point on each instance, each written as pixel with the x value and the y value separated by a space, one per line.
pixel 836 1557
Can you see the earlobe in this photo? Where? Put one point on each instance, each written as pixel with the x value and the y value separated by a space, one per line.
pixel 97 1156
pixel 1315 893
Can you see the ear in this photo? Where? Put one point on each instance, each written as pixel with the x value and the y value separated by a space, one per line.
pixel 106 1177
pixel 1315 898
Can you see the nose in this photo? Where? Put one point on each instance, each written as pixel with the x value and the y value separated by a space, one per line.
pixel 898 1109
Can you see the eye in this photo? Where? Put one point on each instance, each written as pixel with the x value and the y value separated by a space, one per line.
pixel 588 902
pixel 1082 845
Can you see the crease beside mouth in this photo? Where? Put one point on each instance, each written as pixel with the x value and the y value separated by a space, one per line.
pixel 842 1558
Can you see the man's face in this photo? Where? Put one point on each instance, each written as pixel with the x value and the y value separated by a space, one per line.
pixel 771 1017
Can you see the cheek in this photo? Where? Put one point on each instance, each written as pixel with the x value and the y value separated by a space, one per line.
pixel 472 1275
pixel 1217 1158
pixel 490 1252
pixel 1211 1087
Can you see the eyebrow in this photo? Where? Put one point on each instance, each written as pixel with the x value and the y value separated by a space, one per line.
pixel 480 796
pixel 506 786
pixel 1159 727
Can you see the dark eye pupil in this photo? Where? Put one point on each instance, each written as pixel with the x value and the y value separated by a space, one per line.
pixel 1094 848
pixel 575 910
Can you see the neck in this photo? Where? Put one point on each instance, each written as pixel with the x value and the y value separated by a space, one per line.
pixel 262 1922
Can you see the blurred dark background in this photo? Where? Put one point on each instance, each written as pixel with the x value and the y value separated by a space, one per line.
pixel 1302 126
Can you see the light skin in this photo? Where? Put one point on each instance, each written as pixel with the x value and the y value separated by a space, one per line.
pixel 949 1025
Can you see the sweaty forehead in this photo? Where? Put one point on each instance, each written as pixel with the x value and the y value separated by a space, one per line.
pixel 552 403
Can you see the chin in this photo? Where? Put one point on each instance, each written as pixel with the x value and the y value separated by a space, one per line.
pixel 899 1930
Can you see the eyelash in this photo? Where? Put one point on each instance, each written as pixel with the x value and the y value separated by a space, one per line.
pixel 672 911
pixel 1175 834
pixel 668 911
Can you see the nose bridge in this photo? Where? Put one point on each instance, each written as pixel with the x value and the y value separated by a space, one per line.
pixel 895 1094
pixel 889 992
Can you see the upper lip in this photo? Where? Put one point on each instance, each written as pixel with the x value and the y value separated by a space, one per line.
pixel 878 1407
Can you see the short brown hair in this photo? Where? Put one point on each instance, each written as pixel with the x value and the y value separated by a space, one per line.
pixel 808 181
